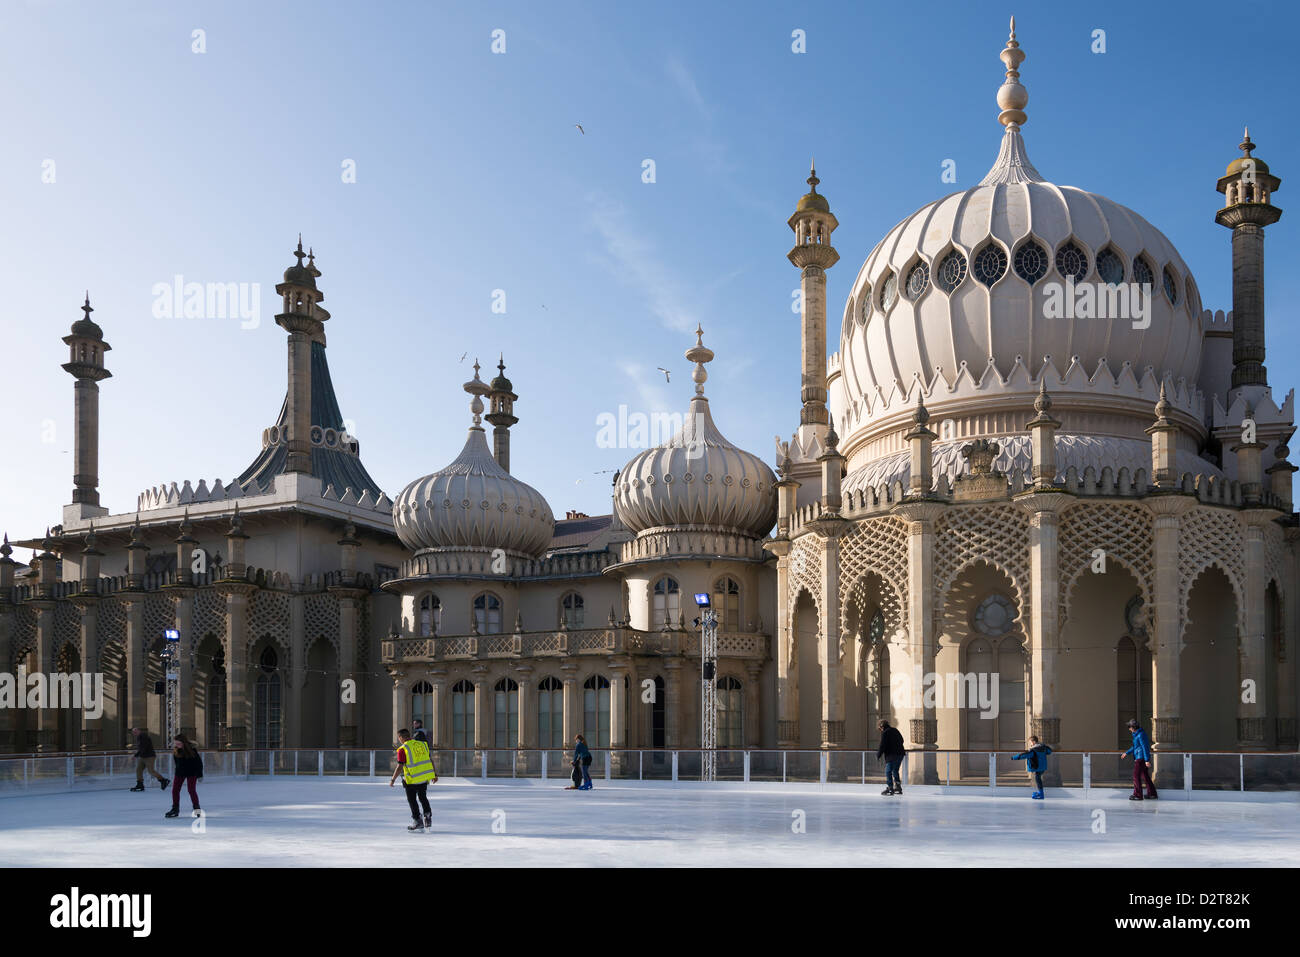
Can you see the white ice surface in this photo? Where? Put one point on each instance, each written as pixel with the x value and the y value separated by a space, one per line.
pixel 349 822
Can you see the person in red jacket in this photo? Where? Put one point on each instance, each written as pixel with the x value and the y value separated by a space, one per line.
pixel 188 768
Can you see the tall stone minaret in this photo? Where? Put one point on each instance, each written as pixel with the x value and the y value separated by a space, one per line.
pixel 501 402
pixel 1247 187
pixel 86 364
pixel 813 253
pixel 302 319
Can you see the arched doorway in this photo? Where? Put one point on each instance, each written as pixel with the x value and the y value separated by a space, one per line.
pixel 268 688
pixel 806 673
pixel 320 696
pixel 1209 676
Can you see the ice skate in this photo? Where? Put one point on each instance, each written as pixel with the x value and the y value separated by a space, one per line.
pixel 174 812
pixel 1135 797
pixel 162 785
pixel 887 791
pixel 428 820
pixel 418 827
pixel 197 812
pixel 138 787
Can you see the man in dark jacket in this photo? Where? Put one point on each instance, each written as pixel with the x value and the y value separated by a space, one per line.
pixel 419 734
pixel 144 760
pixel 892 750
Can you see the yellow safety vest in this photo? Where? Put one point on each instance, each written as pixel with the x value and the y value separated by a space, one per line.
pixel 418 766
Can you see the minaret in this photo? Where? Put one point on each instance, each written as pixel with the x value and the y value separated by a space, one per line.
pixel 501 403
pixel 1247 187
pixel 86 347
pixel 813 253
pixel 302 319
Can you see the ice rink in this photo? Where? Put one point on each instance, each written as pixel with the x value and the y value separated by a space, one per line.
pixel 340 822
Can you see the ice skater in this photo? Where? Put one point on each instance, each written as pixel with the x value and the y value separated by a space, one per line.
pixel 892 750
pixel 582 757
pixel 187 766
pixel 1036 758
pixel 144 760
pixel 1141 752
pixel 415 765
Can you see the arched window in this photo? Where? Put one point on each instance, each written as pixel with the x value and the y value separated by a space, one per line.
pixel 1030 262
pixel 462 714
pixel 216 710
pixel 990 264
pixel 487 614
pixel 430 616
pixel 878 703
pixel 505 729
pixel 731 713
pixel 595 711
pixel 667 602
pixel 989 658
pixel 550 713
pixel 571 608
pixel 726 602
pixel 266 702
pixel 422 706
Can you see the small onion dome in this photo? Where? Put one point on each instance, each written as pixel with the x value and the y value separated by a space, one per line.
pixel 473 502
pixel 813 199
pixel 1246 146
pixel 85 326
pixel 299 274
pixel 501 383
pixel 697 478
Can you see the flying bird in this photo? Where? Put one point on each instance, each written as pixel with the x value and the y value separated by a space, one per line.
pixel 462 356
pixel 580 129
pixel 665 372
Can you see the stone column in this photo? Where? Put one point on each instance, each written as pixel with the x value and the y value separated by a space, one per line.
pixel 923 739
pixel 439 726
pixel 753 704
pixel 399 701
pixel 46 718
pixel 182 598
pixel 1044 623
pixel 91 732
pixel 572 707
pixel 481 702
pixel 787 687
pixel 672 702
pixel 7 622
pixel 137 707
pixel 349 600
pixel 238 720
pixel 1286 653
pixel 1253 719
pixel 832 689
pixel 527 708
pixel 1166 633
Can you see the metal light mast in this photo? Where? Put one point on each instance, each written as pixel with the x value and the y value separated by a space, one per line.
pixel 708 691
pixel 172 698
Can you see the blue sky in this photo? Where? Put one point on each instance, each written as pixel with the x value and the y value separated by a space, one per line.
pixel 471 177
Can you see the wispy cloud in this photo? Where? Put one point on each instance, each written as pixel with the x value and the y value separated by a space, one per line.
pixel 685 82
pixel 636 261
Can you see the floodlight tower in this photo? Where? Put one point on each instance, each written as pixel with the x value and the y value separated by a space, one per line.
pixel 172 688
pixel 708 621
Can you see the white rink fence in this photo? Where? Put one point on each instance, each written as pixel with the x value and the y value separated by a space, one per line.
pixel 953 772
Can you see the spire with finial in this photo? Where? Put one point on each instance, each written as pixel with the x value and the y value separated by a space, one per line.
pixel 832 438
pixel 1246 145
pixel 6 550
pixel 477 388
pixel 812 180
pixel 1012 164
pixel 699 354
pixel 311 263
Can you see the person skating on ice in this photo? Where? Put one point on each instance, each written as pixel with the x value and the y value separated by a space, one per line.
pixel 582 755
pixel 188 769
pixel 144 760
pixel 415 765
pixel 1036 756
pixel 1141 752
pixel 892 750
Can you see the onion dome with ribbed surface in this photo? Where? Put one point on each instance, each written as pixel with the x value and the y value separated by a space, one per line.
pixel 697 478
pixel 473 503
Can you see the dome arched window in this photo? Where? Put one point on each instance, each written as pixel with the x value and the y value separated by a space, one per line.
pixel 888 291
pixel 1030 262
pixel 1142 274
pixel 487 614
pixel 990 264
pixel 951 272
pixel 1110 267
pixel 572 609
pixel 918 280
pixel 666 604
pixel 430 616
pixel 1072 261
pixel 864 312
pixel 1171 287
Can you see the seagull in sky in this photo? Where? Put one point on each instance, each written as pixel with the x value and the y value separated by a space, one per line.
pixel 463 355
pixel 580 129
pixel 665 372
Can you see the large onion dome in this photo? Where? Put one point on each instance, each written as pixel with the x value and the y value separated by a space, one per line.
pixel 473 503
pixel 697 478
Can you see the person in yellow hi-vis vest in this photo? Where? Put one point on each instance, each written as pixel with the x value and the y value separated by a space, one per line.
pixel 415 765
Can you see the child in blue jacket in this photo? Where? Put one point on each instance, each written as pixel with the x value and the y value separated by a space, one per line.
pixel 1141 752
pixel 1037 763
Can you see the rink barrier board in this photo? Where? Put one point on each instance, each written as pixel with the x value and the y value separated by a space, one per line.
pixel 951 771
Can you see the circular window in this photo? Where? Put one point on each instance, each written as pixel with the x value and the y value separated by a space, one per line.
pixel 1142 274
pixel 952 270
pixel 917 279
pixel 1171 286
pixel 1072 261
pixel 889 292
pixel 995 615
pixel 1109 267
pixel 990 264
pixel 1031 262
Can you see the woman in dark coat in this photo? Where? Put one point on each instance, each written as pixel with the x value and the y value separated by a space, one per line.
pixel 188 768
